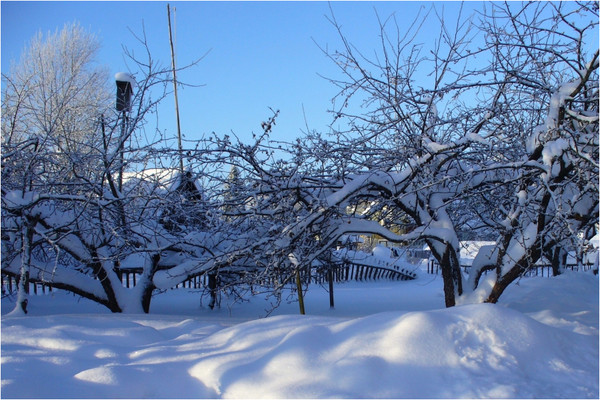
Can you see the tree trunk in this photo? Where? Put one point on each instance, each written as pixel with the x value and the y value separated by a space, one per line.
pixel 502 282
pixel 451 274
pixel 23 283
pixel 146 280
pixel 559 258
pixel 449 298
pixel 102 275
pixel 147 296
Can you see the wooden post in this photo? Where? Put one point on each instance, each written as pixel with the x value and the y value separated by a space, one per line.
pixel 300 294
pixel 212 285
pixel 331 302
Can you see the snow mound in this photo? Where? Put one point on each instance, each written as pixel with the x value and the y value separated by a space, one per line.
pixel 563 301
pixel 476 351
pixel 471 351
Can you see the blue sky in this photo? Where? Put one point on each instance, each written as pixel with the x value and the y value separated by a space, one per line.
pixel 262 54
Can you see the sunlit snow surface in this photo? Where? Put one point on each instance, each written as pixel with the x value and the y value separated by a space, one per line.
pixel 383 339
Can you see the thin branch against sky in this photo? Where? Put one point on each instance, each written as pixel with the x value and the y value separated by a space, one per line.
pixel 262 54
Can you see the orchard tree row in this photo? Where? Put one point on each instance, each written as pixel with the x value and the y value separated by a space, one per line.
pixel 491 131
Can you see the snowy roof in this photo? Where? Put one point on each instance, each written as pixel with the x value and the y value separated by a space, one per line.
pixel 469 250
pixel 169 179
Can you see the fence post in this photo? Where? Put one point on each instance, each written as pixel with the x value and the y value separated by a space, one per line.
pixel 331 301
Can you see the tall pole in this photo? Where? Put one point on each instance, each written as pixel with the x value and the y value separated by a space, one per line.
pixel 122 150
pixel 125 83
pixel 175 92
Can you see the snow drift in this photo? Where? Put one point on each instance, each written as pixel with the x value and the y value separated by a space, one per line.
pixel 470 351
pixel 543 342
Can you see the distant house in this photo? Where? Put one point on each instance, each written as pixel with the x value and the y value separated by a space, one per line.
pixel 187 187
pixel 184 203
pixel 180 193
pixel 350 242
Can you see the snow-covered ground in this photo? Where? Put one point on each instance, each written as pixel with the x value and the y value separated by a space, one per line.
pixel 383 339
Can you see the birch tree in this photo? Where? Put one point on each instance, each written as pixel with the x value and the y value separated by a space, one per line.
pixel 54 95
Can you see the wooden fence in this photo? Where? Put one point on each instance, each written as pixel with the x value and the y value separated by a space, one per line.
pixel 129 279
pixel 362 272
pixel 433 267
pixel 337 272
pixel 10 283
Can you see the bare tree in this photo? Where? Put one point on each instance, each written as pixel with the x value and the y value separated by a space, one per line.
pixel 54 96
pixel 78 227
pixel 507 121
pixel 460 150
pixel 550 203
pixel 51 102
